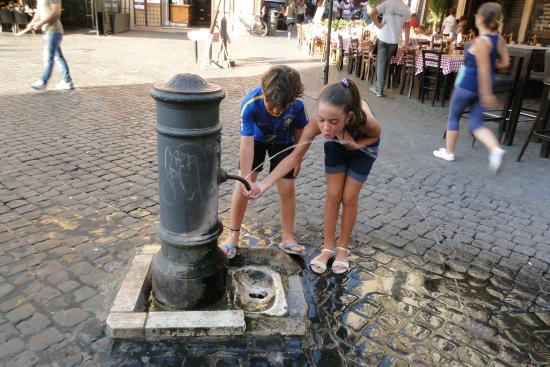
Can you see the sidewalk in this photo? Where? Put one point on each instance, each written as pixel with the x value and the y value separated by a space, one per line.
pixel 78 195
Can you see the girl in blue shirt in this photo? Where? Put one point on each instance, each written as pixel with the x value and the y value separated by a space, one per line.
pixel 474 86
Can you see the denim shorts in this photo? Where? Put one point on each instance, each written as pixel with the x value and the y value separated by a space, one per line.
pixel 355 163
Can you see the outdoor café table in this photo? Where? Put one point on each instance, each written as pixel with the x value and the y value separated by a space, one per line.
pixel 531 55
pixel 449 63
pixel 398 58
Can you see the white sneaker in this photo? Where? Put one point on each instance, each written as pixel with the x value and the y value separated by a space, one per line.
pixel 39 85
pixel 442 153
pixel 64 85
pixel 375 91
pixel 496 158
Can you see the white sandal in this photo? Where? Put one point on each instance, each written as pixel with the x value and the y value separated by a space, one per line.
pixel 321 265
pixel 344 265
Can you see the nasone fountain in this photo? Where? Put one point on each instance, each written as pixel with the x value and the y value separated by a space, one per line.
pixel 185 287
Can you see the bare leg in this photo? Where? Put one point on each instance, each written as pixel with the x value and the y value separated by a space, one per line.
pixel 287 197
pixel 450 142
pixel 236 214
pixel 335 188
pixel 487 138
pixel 350 201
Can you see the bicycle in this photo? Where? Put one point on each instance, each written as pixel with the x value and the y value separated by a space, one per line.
pixel 257 28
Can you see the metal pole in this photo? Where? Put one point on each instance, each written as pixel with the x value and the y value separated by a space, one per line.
pixel 327 47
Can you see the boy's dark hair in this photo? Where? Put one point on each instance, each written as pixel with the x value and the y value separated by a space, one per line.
pixel 345 95
pixel 490 13
pixel 281 85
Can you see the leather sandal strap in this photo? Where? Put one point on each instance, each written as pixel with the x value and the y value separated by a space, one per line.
pixel 328 250
pixel 342 248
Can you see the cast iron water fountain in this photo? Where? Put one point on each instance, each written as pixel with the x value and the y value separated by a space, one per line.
pixel 184 288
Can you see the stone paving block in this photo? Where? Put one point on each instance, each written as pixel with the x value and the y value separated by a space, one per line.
pixel 71 317
pixel 26 358
pixel 45 339
pixel 34 325
pixel 10 348
pixel 20 313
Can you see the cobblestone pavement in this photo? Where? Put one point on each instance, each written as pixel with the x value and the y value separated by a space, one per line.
pixel 450 264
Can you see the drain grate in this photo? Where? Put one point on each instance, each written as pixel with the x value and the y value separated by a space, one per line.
pixel 258 295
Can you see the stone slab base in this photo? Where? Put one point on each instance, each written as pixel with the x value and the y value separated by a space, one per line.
pixel 129 317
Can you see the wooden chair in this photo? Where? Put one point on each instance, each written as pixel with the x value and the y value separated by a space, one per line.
pixel 431 74
pixel 366 49
pixel 369 62
pixel 352 54
pixel 318 44
pixel 340 53
pixel 408 71
pixel 541 127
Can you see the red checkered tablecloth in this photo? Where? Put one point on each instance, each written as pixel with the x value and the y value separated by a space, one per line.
pixel 398 58
pixel 346 42
pixel 449 63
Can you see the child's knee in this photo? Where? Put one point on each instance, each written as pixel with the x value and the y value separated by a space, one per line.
pixel 287 188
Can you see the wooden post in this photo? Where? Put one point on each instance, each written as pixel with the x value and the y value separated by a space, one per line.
pixel 527 13
pixel 460 8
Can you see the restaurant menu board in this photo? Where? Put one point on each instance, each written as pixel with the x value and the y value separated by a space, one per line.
pixel 139 5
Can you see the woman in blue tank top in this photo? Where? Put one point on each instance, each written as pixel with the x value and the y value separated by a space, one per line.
pixel 474 86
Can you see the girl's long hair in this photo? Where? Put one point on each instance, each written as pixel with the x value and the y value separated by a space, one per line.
pixel 344 94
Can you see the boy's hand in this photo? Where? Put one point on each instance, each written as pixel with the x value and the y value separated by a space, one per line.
pixel 243 189
pixel 258 189
pixel 489 101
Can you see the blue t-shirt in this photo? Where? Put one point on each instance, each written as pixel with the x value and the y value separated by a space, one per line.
pixel 266 128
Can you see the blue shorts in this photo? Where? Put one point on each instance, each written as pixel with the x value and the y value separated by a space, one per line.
pixel 355 163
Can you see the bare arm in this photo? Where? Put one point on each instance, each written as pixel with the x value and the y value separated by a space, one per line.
pixel 297 135
pixel 246 155
pixel 309 133
pixel 504 61
pixel 53 16
pixel 372 129
pixel 374 18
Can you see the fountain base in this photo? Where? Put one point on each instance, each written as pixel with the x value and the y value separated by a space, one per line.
pixel 264 296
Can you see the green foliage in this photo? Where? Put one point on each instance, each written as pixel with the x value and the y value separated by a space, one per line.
pixel 438 9
pixel 342 23
pixel 372 3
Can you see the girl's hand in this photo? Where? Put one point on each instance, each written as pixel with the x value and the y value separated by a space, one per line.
pixel 350 143
pixel 243 189
pixel 258 189
pixel 489 101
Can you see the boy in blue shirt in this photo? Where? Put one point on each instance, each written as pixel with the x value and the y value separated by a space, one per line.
pixel 273 117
